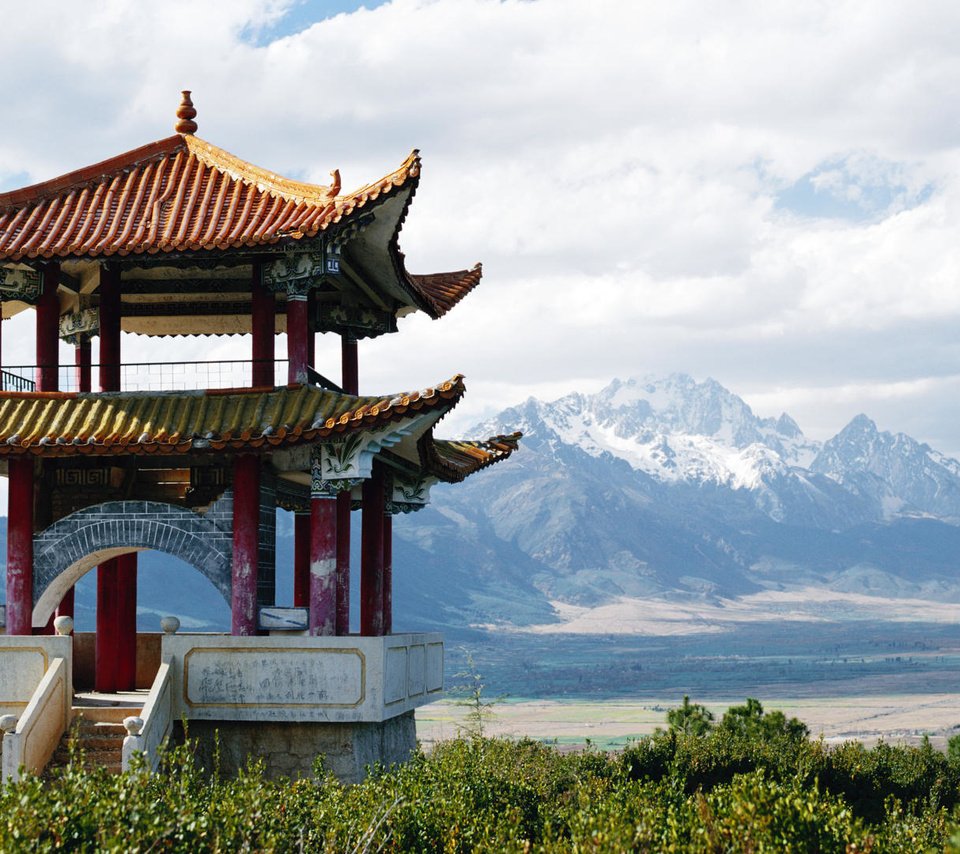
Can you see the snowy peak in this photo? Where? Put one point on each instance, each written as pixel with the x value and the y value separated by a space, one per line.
pixel 904 475
pixel 681 432
pixel 679 404
pixel 674 429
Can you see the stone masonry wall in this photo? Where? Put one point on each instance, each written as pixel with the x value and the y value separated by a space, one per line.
pixel 289 749
pixel 202 541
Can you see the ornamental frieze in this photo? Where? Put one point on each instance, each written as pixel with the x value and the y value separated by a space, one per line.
pixel 296 272
pixel 79 325
pixel 18 283
pixel 361 322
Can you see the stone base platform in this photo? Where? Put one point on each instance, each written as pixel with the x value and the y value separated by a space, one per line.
pixel 291 749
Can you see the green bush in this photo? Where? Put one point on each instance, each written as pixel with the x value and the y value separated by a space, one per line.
pixel 752 782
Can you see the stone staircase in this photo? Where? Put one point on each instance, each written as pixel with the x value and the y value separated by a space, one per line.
pixel 99 732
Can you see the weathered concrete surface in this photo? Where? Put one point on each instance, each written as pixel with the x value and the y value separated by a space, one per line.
pixel 303 679
pixel 290 749
pixel 23 661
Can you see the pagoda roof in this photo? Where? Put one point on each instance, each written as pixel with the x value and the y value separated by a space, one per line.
pixel 61 424
pixel 452 460
pixel 177 194
pixel 186 200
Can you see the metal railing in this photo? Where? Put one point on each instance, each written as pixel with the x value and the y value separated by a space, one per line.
pixel 158 376
pixel 10 381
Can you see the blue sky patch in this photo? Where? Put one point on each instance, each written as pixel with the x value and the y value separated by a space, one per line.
pixel 302 14
pixel 14 180
pixel 857 188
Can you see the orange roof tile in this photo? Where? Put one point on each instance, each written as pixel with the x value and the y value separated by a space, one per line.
pixel 62 424
pixel 453 460
pixel 442 291
pixel 177 194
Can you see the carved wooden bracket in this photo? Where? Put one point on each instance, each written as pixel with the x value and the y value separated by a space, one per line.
pixel 409 494
pixel 347 463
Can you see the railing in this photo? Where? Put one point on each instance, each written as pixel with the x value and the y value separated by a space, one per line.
pixel 14 382
pixel 157 376
pixel 148 732
pixel 31 742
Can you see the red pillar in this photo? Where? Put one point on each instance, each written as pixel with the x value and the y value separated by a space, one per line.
pixel 126 622
pixel 344 502
pixel 263 324
pixel 48 330
pixel 301 560
pixel 82 361
pixel 107 641
pixel 387 573
pixel 323 565
pixel 371 555
pixel 109 329
pixel 311 337
pixel 116 637
pixel 349 383
pixel 20 546
pixel 298 331
pixel 246 524
pixel 350 379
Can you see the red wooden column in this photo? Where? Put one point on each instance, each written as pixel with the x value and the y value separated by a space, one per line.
pixel 349 383
pixel 263 325
pixel 371 555
pixel 126 622
pixel 246 540
pixel 20 546
pixel 48 330
pixel 298 333
pixel 82 363
pixel 116 639
pixel 323 565
pixel 301 560
pixel 109 291
pixel 387 572
pixel 107 641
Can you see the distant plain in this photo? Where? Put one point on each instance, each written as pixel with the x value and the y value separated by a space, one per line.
pixel 861 679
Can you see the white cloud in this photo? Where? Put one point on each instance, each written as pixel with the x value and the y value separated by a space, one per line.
pixel 618 167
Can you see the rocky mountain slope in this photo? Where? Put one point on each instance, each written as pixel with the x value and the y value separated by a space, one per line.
pixel 672 488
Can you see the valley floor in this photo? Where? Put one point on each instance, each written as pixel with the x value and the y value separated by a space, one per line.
pixel 609 724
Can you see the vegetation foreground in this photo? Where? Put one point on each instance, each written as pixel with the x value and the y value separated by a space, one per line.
pixel 752 782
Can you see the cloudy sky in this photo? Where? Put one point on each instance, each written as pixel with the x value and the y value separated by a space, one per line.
pixel 767 193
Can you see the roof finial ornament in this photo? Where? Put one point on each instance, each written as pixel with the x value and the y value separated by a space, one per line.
pixel 186 113
pixel 335 186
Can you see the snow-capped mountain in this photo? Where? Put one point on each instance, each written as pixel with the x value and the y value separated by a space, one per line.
pixel 674 488
pixel 676 429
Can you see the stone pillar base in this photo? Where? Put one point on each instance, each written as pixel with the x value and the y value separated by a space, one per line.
pixel 289 749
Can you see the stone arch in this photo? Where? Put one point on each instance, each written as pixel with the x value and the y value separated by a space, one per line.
pixel 71 547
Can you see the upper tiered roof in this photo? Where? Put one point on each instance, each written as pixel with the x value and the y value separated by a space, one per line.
pixel 180 194
pixel 184 204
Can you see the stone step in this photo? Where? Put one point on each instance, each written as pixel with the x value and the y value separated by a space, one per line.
pixel 106 714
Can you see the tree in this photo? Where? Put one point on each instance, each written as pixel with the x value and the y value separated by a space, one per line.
pixel 690 718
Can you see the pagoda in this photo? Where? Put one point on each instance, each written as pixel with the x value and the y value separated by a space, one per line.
pixel 105 459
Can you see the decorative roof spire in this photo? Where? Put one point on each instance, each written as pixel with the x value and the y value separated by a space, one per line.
pixel 186 114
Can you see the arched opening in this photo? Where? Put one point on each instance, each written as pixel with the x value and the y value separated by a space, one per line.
pixel 166 587
pixel 177 548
